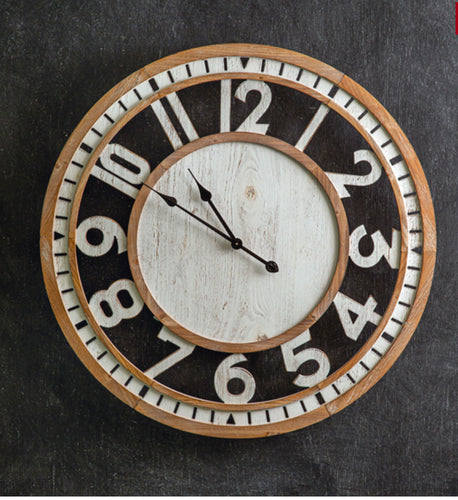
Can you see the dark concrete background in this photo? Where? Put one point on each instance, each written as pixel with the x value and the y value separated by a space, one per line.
pixel 61 432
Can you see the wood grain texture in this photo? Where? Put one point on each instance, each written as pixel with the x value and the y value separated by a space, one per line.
pixel 296 234
pixel 420 299
pixel 63 434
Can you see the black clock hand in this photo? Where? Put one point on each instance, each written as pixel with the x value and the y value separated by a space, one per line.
pixel 172 202
pixel 205 195
pixel 236 243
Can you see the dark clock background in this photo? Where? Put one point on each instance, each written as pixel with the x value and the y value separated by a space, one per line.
pixel 61 432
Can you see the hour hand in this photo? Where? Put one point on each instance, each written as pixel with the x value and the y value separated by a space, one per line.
pixel 206 196
pixel 236 243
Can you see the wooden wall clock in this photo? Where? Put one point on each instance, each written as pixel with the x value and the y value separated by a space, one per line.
pixel 238 240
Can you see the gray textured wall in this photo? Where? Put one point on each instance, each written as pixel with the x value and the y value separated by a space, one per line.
pixel 61 432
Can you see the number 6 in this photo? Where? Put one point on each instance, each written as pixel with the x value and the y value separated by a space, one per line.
pixel 225 372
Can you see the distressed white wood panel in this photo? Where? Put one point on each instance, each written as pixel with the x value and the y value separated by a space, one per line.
pixel 381 345
pixel 144 89
pixel 216 64
pixel 115 111
pixel 329 393
pixel 324 86
pixel 295 409
pixel 121 374
pixel 358 372
pixel 108 361
pixel 369 122
pixel 289 72
pixel 312 127
pixel 272 67
pixel 279 211
pixel 355 108
pixel 341 97
pixel 307 78
pixel 236 417
pixel 258 417
pixel 343 384
pixel 311 402
pixel 96 347
pixel 135 385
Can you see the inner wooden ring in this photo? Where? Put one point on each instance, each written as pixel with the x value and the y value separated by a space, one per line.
pixel 339 271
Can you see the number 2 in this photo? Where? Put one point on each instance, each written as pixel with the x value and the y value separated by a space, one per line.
pixel 342 180
pixel 250 124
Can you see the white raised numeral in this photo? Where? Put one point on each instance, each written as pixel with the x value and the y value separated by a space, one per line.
pixel 250 124
pixel 392 253
pixel 185 348
pixel 293 360
pixel 225 115
pixel 342 180
pixel 365 314
pixel 122 169
pixel 111 232
pixel 110 299
pixel 166 122
pixel 312 127
pixel 225 372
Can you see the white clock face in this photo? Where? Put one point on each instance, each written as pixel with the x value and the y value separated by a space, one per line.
pixel 289 301
pixel 279 210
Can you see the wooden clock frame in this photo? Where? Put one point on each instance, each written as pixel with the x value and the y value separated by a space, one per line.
pixel 339 271
pixel 428 227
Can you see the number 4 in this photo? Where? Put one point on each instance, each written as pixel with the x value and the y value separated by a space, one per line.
pixel 365 314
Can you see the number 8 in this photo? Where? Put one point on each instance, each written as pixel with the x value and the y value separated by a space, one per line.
pixel 111 298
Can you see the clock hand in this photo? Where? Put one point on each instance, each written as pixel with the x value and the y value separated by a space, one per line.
pixel 172 202
pixel 236 243
pixel 206 196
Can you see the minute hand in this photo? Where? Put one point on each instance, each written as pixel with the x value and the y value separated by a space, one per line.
pixel 205 195
pixel 270 265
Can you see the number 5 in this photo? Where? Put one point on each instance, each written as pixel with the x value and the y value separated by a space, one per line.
pixel 293 361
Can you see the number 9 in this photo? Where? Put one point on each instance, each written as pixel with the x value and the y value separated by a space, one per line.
pixel 110 230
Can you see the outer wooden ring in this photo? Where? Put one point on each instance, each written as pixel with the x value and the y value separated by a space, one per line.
pixel 173 88
pixel 339 270
pixel 427 217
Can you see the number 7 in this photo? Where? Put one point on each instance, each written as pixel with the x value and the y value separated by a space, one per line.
pixel 185 348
